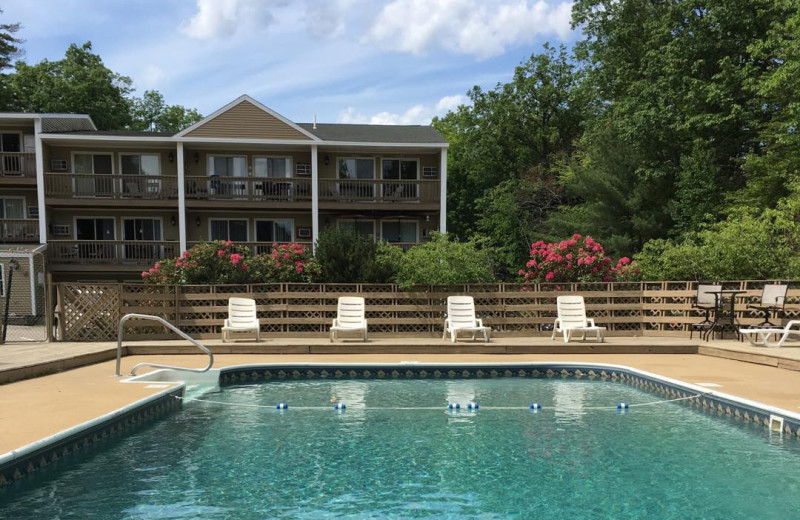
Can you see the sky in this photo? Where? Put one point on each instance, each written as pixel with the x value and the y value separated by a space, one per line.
pixel 347 61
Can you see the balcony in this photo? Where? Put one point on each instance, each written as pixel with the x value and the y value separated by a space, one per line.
pixel 19 230
pixel 115 187
pixel 381 191
pixel 252 189
pixel 18 164
pixel 132 253
pixel 258 248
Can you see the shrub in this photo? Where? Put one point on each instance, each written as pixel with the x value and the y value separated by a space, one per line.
pixel 222 262
pixel 344 256
pixel 444 262
pixel 578 259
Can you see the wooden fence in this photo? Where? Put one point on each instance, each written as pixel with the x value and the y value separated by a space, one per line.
pixel 91 312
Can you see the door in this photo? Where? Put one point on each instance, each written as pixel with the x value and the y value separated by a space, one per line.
pixel 223 171
pixel 269 232
pixel 10 148
pixel 144 230
pixel 404 170
pixel 233 230
pixel 93 177
pixel 13 208
pixel 91 232
pixel 273 168
pixel 134 169
pixel 354 174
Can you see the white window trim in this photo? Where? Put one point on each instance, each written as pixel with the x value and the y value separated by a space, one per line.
pixel 387 220
pixel 122 226
pixel 21 140
pixel 256 221
pixel 247 220
pixel 407 159
pixel 345 157
pixel 92 217
pixel 289 168
pixel 121 154
pixel 15 197
pixel 374 231
pixel 210 164
pixel 73 153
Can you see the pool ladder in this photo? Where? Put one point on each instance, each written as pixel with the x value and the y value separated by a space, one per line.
pixel 171 327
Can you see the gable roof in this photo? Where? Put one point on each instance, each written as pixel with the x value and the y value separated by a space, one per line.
pixel 245 117
pixel 417 134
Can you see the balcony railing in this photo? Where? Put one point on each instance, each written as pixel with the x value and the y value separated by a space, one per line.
pixel 374 190
pixel 268 189
pixel 18 230
pixel 116 252
pixel 259 248
pixel 17 164
pixel 133 187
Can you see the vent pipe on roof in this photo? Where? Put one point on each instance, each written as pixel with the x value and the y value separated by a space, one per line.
pixel 314 126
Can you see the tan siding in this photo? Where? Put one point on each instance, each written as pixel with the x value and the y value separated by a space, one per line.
pixel 65 153
pixel 196 161
pixel 20 288
pixel 247 121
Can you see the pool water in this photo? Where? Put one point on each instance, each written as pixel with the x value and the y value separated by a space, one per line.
pixel 397 453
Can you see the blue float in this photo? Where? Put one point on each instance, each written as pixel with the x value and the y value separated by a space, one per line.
pixel 622 406
pixel 339 406
pixel 454 406
pixel 536 406
pixel 472 406
pixel 282 406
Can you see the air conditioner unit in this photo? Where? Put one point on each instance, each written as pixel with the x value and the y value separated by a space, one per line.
pixel 61 230
pixel 58 165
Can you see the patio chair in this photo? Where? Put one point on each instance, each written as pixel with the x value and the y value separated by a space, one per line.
pixel 773 300
pixel 706 301
pixel 761 336
pixel 461 318
pixel 242 317
pixel 349 317
pixel 572 317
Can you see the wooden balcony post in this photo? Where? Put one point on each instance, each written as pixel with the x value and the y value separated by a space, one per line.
pixel 314 197
pixel 181 200
pixel 443 192
pixel 40 182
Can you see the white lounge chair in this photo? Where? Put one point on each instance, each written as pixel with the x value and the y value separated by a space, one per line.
pixel 349 317
pixel 242 317
pixel 461 318
pixel 572 317
pixel 761 337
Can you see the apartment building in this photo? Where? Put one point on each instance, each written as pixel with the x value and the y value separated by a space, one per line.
pixel 108 204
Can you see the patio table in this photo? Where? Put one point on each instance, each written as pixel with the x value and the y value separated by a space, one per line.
pixel 721 317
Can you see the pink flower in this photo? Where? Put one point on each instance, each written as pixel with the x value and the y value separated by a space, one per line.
pixel 568 266
pixel 530 264
pixel 236 258
pixel 186 254
pixel 550 275
pixel 624 260
pixel 576 236
pixel 158 266
pixel 569 256
pixel 152 270
pixel 277 264
pixel 581 260
pixel 144 274
pixel 244 266
pixel 299 269
pixel 286 256
pixel 178 262
pixel 228 243
pixel 220 253
pixel 521 272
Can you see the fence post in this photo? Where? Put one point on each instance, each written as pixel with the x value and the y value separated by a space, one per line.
pixel 60 307
pixel 48 305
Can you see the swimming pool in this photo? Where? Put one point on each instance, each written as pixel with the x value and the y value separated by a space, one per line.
pixel 397 452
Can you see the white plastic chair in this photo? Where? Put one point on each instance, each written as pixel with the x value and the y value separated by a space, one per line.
pixel 461 318
pixel 572 317
pixel 761 337
pixel 242 317
pixel 349 317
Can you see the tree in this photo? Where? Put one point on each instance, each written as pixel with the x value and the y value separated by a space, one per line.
pixel 344 256
pixel 9 49
pixel 79 83
pixel 445 262
pixel 151 113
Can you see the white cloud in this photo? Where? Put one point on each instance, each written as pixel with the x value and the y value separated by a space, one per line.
pixel 419 114
pixel 482 28
pixel 226 18
pixel 326 18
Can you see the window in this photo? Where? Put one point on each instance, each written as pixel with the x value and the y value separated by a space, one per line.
pixel 279 167
pixel 10 142
pixel 362 227
pixel 278 230
pixel 399 231
pixel 146 230
pixel 86 165
pixel 94 229
pixel 400 170
pixel 132 165
pixel 227 166
pixel 234 230
pixel 356 168
pixel 12 207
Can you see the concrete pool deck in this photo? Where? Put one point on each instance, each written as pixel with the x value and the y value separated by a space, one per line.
pixel 33 409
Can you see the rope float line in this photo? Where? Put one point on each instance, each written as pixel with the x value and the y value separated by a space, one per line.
pixel 452 407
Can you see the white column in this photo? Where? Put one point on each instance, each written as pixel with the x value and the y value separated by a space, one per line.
pixel 37 125
pixel 181 200
pixel 443 192
pixel 314 196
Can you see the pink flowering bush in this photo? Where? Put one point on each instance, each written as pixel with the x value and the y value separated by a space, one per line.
pixel 224 262
pixel 577 259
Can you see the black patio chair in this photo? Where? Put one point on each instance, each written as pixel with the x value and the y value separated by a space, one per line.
pixel 773 300
pixel 705 301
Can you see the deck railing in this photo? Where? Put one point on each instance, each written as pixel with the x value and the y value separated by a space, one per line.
pixel 132 187
pixel 267 189
pixel 17 164
pixel 375 190
pixel 90 312
pixel 258 248
pixel 115 252
pixel 19 230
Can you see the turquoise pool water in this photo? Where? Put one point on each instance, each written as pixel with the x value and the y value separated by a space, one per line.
pixel 237 460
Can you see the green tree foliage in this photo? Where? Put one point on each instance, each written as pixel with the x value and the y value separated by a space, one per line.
pixel 506 150
pixel 151 113
pixel 344 256
pixel 9 49
pixel 444 262
pixel 79 83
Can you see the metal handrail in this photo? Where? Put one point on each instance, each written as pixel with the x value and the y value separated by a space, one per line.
pixel 174 329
